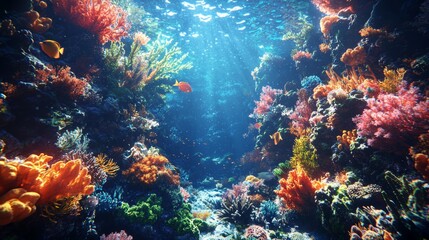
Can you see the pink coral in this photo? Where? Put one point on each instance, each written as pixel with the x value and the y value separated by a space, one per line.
pixel 117 236
pixel 101 17
pixel 256 232
pixel 393 122
pixel 301 115
pixel 266 99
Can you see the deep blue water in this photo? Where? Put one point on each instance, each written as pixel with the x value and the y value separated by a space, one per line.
pixel 225 40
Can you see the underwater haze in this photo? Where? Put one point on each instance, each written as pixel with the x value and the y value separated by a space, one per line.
pixel 232 119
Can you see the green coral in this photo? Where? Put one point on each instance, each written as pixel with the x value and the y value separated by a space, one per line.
pixel 282 169
pixel 147 211
pixel 304 154
pixel 184 223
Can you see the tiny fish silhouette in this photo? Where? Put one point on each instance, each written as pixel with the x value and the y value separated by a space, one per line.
pixel 183 86
pixel 52 48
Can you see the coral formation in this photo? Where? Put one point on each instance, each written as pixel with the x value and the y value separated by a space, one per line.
pixel 298 190
pixel 101 17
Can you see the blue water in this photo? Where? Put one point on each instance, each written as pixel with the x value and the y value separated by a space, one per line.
pixel 225 40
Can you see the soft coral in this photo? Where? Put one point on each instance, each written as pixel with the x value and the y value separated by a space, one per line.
pixel 101 17
pixel 393 122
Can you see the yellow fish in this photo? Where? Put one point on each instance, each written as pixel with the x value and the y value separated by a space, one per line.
pixel 276 137
pixel 52 48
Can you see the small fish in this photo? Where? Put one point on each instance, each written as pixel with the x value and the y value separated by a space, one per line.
pixel 52 48
pixel 183 86
pixel 257 125
pixel 276 137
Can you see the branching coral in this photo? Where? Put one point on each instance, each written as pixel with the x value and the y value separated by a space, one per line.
pixel 392 80
pixel 304 154
pixel 266 99
pixel 354 57
pixel 101 17
pixel 393 122
pixel 300 124
pixel 150 168
pixel 108 165
pixel 160 62
pixel 138 68
pixel 353 79
pixel 298 190
pixel 63 81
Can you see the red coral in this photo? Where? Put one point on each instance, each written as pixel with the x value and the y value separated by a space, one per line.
pixel 266 99
pixel 298 190
pixel 330 7
pixel 393 122
pixel 299 55
pixel 63 80
pixel 101 17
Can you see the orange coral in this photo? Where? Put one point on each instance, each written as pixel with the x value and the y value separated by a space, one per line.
pixel 150 168
pixel 347 138
pixel 327 22
pixel 44 184
pixel 63 180
pixel 298 190
pixel 369 31
pixel 324 47
pixel 420 154
pixel 354 57
pixel 59 181
pixel 16 205
pixel 36 23
pixel 349 81
pixel 321 91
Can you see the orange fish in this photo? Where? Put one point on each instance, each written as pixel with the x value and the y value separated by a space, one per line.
pixel 257 125
pixel 276 137
pixel 183 86
pixel 52 48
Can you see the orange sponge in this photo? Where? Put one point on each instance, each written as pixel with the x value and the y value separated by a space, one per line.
pixel 16 205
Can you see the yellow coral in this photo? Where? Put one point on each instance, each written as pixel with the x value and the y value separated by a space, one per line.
pixel 392 79
pixel 108 165
pixel 304 154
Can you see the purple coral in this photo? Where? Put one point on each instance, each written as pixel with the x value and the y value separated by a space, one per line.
pixel 393 122
pixel 117 236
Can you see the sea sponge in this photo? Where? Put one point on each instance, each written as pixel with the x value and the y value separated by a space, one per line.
pixel 16 205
